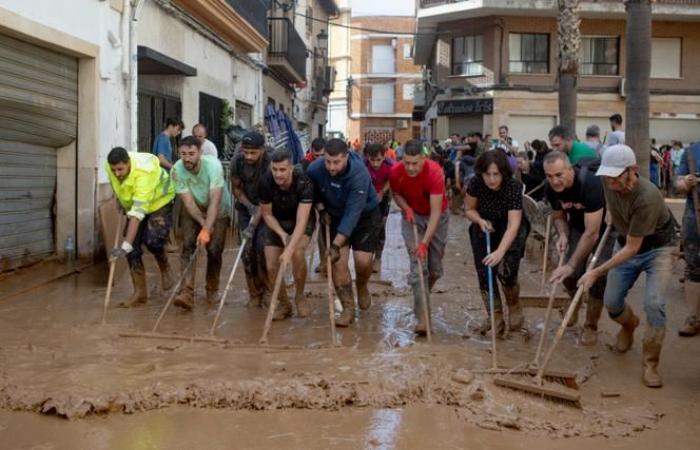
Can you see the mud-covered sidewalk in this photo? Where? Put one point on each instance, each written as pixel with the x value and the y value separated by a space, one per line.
pixel 56 360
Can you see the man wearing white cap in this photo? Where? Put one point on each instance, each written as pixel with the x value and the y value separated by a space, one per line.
pixel 645 243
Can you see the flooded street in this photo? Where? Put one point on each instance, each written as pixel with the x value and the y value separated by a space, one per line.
pixel 380 389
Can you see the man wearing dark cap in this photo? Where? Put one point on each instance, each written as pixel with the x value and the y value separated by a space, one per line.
pixel 645 244
pixel 349 205
pixel 247 170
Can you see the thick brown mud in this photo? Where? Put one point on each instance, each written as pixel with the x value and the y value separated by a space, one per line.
pixel 57 360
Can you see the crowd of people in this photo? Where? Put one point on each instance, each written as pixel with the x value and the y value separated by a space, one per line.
pixel 345 191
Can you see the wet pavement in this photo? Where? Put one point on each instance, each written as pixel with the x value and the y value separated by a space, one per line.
pixel 381 389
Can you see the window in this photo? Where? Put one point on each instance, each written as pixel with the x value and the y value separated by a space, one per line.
pixel 382 98
pixel 529 53
pixel 407 51
pixel 467 55
pixel 408 91
pixel 599 55
pixel 382 59
pixel 309 22
pixel 666 58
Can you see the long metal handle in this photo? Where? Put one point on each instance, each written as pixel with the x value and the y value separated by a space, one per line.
pixel 112 268
pixel 274 301
pixel 547 314
pixel 572 307
pixel 423 297
pixel 228 286
pixel 329 276
pixel 176 288
pixel 489 269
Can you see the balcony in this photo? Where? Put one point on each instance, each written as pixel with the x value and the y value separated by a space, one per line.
pixel 323 84
pixel 254 12
pixel 432 13
pixel 286 53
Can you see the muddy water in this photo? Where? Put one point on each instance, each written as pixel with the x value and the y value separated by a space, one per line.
pixel 381 389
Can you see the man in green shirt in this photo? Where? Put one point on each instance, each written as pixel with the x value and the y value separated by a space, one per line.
pixel 199 181
pixel 561 139
pixel 645 244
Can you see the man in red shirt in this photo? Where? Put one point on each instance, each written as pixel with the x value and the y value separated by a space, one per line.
pixel 418 186
pixel 379 168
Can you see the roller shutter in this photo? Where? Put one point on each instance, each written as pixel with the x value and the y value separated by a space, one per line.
pixel 38 114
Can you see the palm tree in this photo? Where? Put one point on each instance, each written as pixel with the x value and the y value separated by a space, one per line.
pixel 637 71
pixel 569 40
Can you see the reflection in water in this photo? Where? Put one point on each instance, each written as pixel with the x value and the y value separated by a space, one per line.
pixel 383 429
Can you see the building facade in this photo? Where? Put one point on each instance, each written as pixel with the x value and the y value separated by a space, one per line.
pixel 493 62
pixel 382 80
pixel 79 78
pixel 298 78
pixel 339 58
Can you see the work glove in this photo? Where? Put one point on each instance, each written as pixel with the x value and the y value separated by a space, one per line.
pixel 252 210
pixel 410 217
pixel 334 253
pixel 249 232
pixel 121 251
pixel 422 251
pixel 203 237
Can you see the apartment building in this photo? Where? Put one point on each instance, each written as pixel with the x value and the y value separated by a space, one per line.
pixel 493 62
pixel 382 79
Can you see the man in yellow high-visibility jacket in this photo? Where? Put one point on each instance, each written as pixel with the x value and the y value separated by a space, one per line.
pixel 144 191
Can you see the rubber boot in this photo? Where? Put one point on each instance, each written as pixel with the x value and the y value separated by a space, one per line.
pixel 625 337
pixel 304 307
pixel 284 307
pixel 692 299
pixel 515 310
pixel 589 335
pixel 364 298
pixel 651 350
pixel 485 325
pixel 140 295
pixel 255 293
pixel 348 301
pixel 166 276
pixel 185 298
pixel 421 328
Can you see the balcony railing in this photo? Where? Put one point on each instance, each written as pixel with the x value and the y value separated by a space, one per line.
pixel 254 12
pixel 286 49
pixel 431 3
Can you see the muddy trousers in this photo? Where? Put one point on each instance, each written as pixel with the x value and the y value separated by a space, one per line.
pixel 384 207
pixel 215 250
pixel 253 259
pixel 595 294
pixel 432 268
pixel 506 272
pixel 153 233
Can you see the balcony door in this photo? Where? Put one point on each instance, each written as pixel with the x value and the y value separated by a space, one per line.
pixel 382 59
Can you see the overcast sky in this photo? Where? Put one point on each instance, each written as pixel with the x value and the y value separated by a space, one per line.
pixel 383 7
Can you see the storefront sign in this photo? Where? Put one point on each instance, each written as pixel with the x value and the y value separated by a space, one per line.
pixel 469 106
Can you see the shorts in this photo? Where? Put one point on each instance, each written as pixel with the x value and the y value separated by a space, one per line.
pixel 273 239
pixel 365 236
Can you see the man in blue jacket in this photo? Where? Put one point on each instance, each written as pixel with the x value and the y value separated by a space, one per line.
pixel 347 201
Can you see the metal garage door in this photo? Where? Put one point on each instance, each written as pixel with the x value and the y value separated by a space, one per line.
pixel 667 130
pixel 38 113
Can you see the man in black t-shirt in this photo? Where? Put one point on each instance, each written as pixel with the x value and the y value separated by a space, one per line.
pixel 247 169
pixel 286 199
pixel 578 204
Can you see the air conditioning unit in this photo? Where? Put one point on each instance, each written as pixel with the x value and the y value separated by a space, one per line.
pixel 623 87
pixel 402 124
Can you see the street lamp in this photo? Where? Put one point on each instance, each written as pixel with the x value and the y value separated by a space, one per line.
pixel 322 41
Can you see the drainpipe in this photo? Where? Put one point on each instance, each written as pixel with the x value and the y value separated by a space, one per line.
pixel 135 7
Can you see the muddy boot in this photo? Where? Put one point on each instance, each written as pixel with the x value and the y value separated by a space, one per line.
pixel 284 307
pixel 421 328
pixel 304 307
pixel 485 326
pixel 255 293
pixel 166 275
pixel 625 337
pixel 212 297
pixel 348 301
pixel 651 350
pixel 589 335
pixel 140 295
pixel 515 310
pixel 185 299
pixel 364 298
pixel 692 299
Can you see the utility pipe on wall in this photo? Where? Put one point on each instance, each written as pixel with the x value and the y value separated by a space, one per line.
pixel 135 7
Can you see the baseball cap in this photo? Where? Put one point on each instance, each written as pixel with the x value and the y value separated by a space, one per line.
pixel 253 139
pixel 616 159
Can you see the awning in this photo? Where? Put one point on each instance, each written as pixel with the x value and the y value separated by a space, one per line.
pixel 152 62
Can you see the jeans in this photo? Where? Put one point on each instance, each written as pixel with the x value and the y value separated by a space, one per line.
pixel 432 268
pixel 215 249
pixel 691 247
pixel 153 233
pixel 658 266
